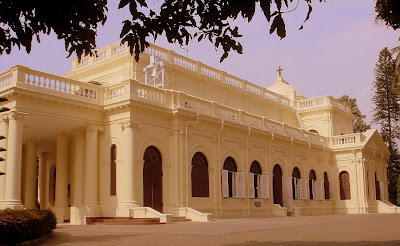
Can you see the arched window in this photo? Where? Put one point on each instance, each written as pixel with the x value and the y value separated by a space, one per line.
pixel 230 167
pixel 296 183
pixel 344 185
pixel 200 175
pixel 113 170
pixel 312 186
pixel 326 186
pixel 313 131
pixel 256 171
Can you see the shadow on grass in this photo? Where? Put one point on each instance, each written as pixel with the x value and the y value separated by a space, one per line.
pixel 311 243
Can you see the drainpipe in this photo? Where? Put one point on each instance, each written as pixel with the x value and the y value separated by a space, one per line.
pixel 220 166
pixel 186 156
pixel 246 164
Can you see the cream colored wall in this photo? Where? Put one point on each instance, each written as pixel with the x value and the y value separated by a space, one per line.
pixel 162 120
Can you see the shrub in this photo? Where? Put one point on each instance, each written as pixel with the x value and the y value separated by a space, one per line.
pixel 22 225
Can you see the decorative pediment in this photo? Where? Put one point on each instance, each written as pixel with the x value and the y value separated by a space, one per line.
pixel 374 141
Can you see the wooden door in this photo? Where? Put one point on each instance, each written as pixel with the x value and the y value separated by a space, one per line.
pixel 277 185
pixel 152 179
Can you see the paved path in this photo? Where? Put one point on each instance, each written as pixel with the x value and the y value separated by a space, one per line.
pixel 369 229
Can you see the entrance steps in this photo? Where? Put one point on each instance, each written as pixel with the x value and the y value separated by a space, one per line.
pixel 121 221
pixel 180 219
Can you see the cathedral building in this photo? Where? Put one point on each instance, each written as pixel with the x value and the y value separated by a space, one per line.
pixel 170 136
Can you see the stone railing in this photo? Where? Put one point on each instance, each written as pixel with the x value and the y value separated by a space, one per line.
pixel 187 64
pixel 32 80
pixel 213 109
pixel 345 141
pixel 320 102
pixel 23 77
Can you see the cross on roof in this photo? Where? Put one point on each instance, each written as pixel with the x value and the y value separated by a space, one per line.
pixel 280 71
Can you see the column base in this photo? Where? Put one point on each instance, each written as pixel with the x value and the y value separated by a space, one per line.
pixel 59 212
pixel 12 205
pixel 77 216
pixel 130 204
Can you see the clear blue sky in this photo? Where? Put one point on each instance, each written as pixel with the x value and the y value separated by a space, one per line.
pixel 334 54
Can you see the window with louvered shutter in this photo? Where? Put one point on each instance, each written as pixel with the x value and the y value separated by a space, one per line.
pixel 113 170
pixel 200 183
pixel 255 169
pixel 230 166
pixel 295 178
pixel 344 186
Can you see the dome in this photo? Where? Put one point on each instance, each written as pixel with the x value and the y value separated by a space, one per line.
pixel 283 88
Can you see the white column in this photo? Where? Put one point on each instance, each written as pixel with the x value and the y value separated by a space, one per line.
pixel 90 196
pixel 30 175
pixel 42 180
pixel 3 154
pixel 61 177
pixel 79 172
pixel 129 163
pixel 14 162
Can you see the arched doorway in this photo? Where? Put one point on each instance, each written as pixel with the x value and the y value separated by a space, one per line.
pixel 277 185
pixel 152 179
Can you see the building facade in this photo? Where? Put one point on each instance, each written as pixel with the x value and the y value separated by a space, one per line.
pixel 171 133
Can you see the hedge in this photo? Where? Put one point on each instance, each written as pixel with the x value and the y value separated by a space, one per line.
pixel 22 225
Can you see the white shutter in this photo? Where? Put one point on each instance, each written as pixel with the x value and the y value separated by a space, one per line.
pixel 382 190
pixel 314 189
pixel 251 186
pixel 240 185
pixel 331 190
pixel 304 190
pixel 287 193
pixel 225 184
pixel 234 185
pixel 264 186
pixel 307 182
pixel 320 187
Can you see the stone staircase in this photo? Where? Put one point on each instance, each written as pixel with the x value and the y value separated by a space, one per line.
pixel 180 219
pixel 122 221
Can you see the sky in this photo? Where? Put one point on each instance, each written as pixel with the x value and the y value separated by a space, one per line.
pixel 334 54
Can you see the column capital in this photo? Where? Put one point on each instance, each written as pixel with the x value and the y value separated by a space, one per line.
pixel 4 118
pixel 131 124
pixel 17 115
pixel 93 128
